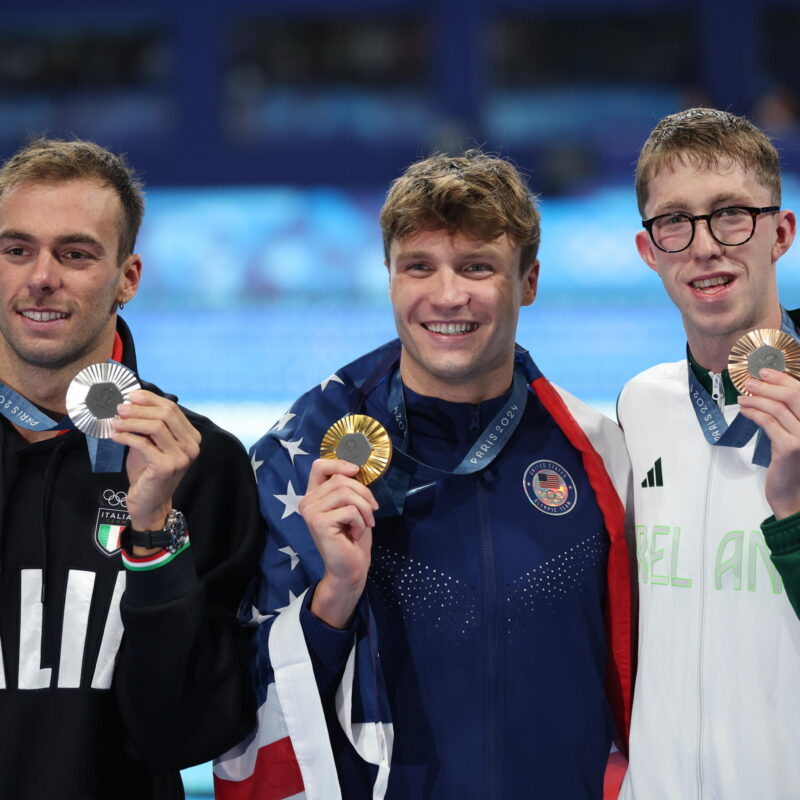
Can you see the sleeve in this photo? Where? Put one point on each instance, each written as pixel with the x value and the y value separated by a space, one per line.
pixel 328 648
pixel 182 679
pixel 783 539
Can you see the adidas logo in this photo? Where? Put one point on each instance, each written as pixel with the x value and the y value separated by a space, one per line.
pixel 654 477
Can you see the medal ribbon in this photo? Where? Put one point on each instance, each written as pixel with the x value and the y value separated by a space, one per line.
pixel 485 449
pixel 104 454
pixel 741 430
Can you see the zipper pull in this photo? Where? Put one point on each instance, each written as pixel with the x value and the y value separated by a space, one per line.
pixel 717 392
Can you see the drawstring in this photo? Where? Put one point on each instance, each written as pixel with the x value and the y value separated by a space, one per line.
pixel 47 502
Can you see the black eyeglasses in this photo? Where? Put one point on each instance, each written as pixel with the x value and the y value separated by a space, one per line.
pixel 730 226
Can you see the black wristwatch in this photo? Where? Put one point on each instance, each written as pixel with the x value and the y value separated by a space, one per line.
pixel 171 537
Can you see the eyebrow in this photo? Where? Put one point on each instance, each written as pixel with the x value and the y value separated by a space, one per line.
pixel 69 238
pixel 422 254
pixel 720 201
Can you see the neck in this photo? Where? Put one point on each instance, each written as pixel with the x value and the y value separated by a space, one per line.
pixel 488 387
pixel 712 351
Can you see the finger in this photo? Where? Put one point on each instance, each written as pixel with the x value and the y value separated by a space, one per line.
pixel 337 482
pixel 775 402
pixel 160 434
pixel 324 468
pixel 777 386
pixel 312 505
pixel 348 522
pixel 173 463
pixel 779 434
pixel 156 407
pixel 777 377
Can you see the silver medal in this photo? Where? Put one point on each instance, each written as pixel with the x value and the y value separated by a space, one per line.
pixel 95 393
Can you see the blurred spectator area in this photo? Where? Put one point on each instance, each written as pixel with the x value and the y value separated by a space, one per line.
pixel 310 92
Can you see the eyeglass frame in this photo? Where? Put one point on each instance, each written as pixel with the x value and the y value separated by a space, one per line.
pixel 754 212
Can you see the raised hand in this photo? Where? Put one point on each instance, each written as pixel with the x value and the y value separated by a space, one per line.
pixel 340 514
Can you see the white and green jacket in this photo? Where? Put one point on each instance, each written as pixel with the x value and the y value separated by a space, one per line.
pixel 716 710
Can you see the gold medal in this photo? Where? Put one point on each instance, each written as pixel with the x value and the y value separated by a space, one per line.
pixel 360 440
pixel 761 348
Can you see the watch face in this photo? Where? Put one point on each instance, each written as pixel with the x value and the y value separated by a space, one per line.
pixel 176 529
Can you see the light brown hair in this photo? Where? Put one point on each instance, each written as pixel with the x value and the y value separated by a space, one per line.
pixel 476 194
pixel 706 138
pixel 53 160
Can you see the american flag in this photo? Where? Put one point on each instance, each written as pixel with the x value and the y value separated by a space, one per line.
pixel 549 480
pixel 289 754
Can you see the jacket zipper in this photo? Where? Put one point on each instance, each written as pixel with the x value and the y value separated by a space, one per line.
pixel 492 638
pixel 717 389
pixel 701 646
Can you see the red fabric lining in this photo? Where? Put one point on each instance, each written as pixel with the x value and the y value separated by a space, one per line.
pixel 116 353
pixel 617 613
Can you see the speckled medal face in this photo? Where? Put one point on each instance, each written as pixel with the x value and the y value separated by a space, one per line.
pixel 761 348
pixel 95 393
pixel 360 440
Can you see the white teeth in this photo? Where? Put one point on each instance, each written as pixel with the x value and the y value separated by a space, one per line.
pixel 451 328
pixel 43 316
pixel 704 284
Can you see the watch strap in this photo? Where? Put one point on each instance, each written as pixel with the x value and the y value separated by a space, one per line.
pixel 171 537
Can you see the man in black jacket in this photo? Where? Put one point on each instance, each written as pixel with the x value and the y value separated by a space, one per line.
pixel 86 711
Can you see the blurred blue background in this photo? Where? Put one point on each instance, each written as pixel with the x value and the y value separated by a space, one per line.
pixel 268 132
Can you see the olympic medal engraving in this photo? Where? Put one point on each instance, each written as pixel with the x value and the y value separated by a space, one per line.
pixel 95 393
pixel 761 348
pixel 361 440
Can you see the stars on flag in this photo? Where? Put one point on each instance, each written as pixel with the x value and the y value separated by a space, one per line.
pixel 290 500
pixel 294 448
pixel 255 463
pixel 294 559
pixel 257 617
pixel 282 422
pixel 334 377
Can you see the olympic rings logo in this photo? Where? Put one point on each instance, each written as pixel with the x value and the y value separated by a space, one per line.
pixel 115 498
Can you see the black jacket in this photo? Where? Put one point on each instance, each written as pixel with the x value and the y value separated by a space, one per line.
pixel 84 715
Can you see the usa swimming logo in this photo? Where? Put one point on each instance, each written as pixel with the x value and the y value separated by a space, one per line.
pixel 550 487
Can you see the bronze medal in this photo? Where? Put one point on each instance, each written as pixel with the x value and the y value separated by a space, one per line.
pixel 360 440
pixel 764 347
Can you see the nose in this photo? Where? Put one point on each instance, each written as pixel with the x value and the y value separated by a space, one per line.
pixel 704 245
pixel 451 289
pixel 45 275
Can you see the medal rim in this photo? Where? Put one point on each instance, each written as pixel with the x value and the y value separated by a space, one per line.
pixel 746 345
pixel 105 372
pixel 376 435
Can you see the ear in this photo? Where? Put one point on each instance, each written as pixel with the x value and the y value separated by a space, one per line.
pixel 784 233
pixel 129 277
pixel 645 247
pixel 530 282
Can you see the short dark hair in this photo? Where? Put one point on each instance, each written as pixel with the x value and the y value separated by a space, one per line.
pixel 476 193
pixel 44 160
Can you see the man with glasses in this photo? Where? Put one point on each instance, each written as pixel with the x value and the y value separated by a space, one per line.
pixel 716 476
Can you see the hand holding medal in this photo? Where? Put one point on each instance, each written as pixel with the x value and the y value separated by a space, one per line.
pixel 773 403
pixel 762 348
pixel 339 511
